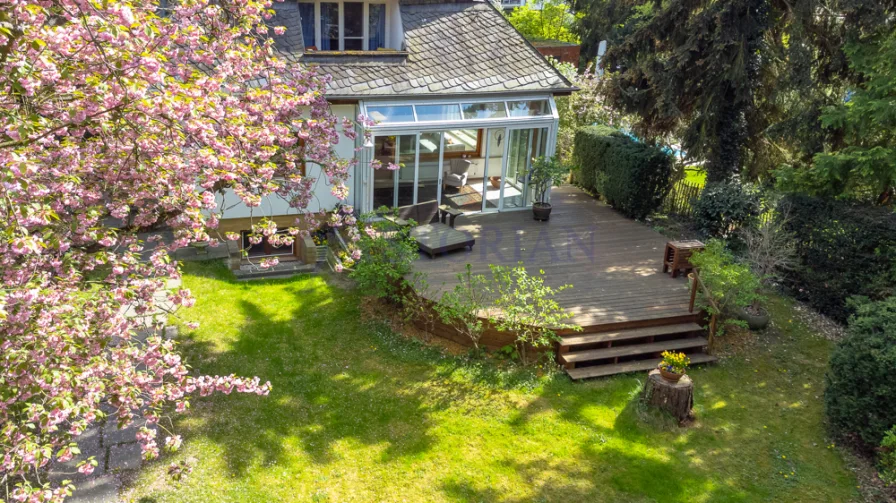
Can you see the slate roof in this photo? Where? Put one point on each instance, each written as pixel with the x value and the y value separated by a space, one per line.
pixel 453 47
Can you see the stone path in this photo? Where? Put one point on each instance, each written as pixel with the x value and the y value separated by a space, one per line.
pixel 116 450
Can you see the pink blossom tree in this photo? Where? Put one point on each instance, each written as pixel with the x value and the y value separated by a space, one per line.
pixel 118 117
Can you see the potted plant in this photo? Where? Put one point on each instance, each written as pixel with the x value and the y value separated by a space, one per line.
pixel 674 366
pixel 769 250
pixel 544 174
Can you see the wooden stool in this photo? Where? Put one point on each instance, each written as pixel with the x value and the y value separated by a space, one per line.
pixel 677 256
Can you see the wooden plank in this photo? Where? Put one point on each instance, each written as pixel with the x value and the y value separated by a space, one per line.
pixel 632 366
pixel 612 262
pixel 625 335
pixel 633 350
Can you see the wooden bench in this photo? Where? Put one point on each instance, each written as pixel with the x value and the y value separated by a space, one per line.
pixel 433 234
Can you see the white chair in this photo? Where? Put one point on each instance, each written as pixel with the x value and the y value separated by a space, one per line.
pixel 457 174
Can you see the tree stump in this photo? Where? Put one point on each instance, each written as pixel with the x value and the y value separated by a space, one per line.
pixel 676 398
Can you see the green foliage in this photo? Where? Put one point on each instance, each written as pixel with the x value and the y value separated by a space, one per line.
pixel 862 165
pixel 526 307
pixel 690 69
pixel 860 397
pixel 675 362
pixel 552 21
pixel 631 176
pixel 545 173
pixel 887 461
pixel 844 250
pixel 585 107
pixel 724 208
pixel 727 283
pixel 387 252
pixel 460 307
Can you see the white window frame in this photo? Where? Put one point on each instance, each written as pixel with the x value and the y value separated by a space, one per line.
pixel 463 123
pixel 365 23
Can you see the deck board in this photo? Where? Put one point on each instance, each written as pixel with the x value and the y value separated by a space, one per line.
pixel 613 263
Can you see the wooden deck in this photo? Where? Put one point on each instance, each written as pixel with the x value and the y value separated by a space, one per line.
pixel 613 263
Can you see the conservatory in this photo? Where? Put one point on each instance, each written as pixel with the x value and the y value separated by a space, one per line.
pixel 469 154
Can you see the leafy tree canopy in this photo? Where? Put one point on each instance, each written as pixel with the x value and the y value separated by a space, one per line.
pixel 552 21
pixel 863 165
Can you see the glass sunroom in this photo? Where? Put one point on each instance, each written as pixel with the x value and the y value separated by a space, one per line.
pixel 468 154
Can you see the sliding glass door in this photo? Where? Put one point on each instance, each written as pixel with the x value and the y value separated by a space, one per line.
pixel 470 170
pixel 418 157
pixel 509 165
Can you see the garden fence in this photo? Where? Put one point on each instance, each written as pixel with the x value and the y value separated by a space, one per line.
pixel 680 200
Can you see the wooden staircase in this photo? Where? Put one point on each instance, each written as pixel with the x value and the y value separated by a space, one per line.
pixel 617 348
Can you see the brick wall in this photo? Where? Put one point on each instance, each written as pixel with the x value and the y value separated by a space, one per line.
pixel 567 53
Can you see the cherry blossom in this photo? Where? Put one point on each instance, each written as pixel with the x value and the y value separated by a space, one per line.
pixel 118 118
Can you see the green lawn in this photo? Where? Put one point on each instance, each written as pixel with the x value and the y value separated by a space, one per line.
pixel 360 414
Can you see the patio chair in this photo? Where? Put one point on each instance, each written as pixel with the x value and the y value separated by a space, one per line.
pixel 456 176
pixel 433 235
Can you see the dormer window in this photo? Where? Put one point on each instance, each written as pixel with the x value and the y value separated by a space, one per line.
pixel 343 26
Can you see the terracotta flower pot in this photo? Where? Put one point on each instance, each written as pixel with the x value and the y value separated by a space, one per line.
pixel 495 181
pixel 670 376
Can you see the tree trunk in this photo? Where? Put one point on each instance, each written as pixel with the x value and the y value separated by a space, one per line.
pixel 676 398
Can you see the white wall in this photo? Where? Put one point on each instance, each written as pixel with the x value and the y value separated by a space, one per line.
pixel 394 28
pixel 275 205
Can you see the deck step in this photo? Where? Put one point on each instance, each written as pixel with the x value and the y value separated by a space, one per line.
pixel 632 350
pixel 632 366
pixel 625 335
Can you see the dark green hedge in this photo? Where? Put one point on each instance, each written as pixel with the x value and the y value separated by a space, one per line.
pixel 845 249
pixel 860 396
pixel 633 177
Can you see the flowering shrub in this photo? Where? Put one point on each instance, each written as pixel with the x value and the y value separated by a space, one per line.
pixel 675 362
pixel 118 117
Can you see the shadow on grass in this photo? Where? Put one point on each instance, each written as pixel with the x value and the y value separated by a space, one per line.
pixel 330 383
pixel 340 381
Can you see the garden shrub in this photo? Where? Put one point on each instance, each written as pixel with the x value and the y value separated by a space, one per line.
pixel 887 460
pixel 724 208
pixel 633 177
pixel 526 307
pixel 860 397
pixel 731 284
pixel 844 250
pixel 387 252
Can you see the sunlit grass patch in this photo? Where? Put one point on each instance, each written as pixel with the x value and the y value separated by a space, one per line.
pixel 359 413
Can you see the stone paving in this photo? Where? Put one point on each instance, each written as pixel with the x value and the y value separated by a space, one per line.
pixel 116 450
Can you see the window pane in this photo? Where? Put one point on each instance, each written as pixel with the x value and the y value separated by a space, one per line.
pixel 403 113
pixel 527 108
pixel 329 26
pixel 354 44
pixel 384 179
pixel 377 29
pixel 354 19
pixel 438 112
pixel 461 141
pixel 407 156
pixel 428 169
pixel 484 110
pixel 306 12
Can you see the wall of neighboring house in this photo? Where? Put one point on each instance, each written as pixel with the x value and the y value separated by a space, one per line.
pixel 237 216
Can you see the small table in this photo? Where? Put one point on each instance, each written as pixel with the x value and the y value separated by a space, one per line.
pixel 677 255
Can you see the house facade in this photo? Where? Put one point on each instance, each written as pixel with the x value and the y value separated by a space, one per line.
pixel 462 102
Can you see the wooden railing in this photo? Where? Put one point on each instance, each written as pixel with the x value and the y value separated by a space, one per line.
pixel 695 283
